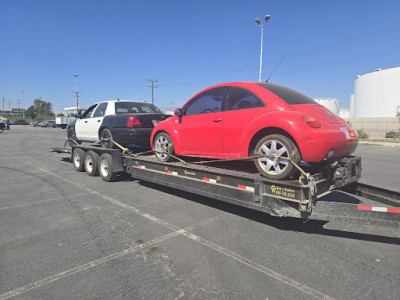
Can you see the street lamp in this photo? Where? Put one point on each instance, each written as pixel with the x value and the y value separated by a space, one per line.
pixel 257 20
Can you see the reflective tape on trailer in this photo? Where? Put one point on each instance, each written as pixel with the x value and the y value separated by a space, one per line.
pixel 141 167
pixel 209 180
pixel 379 209
pixel 245 187
pixel 172 173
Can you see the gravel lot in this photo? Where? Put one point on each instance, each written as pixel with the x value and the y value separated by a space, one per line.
pixel 65 235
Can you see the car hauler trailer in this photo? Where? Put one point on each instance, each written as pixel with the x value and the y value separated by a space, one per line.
pixel 331 195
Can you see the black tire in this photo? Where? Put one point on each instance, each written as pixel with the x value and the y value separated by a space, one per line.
pixel 105 167
pixel 71 135
pixel 106 134
pixel 1 130
pixel 272 146
pixel 91 162
pixel 163 143
pixel 78 156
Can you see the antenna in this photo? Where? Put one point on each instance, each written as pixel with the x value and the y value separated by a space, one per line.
pixel 283 57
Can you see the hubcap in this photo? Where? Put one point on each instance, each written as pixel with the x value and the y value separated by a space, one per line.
pixel 104 168
pixel 276 158
pixel 77 160
pixel 89 164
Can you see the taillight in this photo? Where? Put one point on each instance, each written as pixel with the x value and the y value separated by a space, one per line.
pixel 312 122
pixel 133 122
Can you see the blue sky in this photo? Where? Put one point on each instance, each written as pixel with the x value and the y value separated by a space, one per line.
pixel 115 46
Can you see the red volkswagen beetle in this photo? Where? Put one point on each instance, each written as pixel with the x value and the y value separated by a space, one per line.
pixel 240 119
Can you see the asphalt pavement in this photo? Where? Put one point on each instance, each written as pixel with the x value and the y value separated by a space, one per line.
pixel 65 235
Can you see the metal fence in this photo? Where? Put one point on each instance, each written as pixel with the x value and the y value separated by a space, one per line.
pixel 376 128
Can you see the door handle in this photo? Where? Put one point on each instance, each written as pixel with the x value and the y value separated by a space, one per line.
pixel 85 121
pixel 98 120
pixel 217 120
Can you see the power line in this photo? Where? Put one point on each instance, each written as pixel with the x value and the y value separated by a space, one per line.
pixel 152 89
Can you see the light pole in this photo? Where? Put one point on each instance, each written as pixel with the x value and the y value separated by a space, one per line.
pixel 257 20
pixel 76 92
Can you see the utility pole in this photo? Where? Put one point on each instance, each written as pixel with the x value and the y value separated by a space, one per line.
pixel 3 107
pixel 23 105
pixel 152 89
pixel 18 102
pixel 9 106
pixel 76 92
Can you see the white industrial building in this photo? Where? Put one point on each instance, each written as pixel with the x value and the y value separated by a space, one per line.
pixel 376 94
pixel 329 103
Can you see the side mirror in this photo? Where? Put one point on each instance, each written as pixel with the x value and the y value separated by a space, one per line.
pixel 77 116
pixel 178 112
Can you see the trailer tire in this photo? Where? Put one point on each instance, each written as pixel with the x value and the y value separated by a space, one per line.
pixel 78 156
pixel 71 135
pixel 1 130
pixel 106 169
pixel 273 146
pixel 91 163
pixel 163 142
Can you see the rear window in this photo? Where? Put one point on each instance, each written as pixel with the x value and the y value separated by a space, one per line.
pixel 135 107
pixel 290 96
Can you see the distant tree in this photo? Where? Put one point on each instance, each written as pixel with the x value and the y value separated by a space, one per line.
pixel 30 113
pixel 60 115
pixel 398 111
pixel 40 110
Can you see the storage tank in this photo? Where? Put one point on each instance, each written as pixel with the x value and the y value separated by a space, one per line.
pixel 331 104
pixel 376 94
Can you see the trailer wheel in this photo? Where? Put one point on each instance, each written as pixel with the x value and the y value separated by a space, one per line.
pixel 1 130
pixel 164 144
pixel 71 135
pixel 106 169
pixel 106 134
pixel 78 156
pixel 273 146
pixel 91 163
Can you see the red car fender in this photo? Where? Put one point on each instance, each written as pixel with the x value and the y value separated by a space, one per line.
pixel 166 127
pixel 287 121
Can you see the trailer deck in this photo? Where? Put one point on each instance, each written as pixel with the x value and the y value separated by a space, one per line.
pixel 320 196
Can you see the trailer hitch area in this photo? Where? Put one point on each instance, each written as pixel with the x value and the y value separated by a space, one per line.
pixel 346 171
pixel 306 204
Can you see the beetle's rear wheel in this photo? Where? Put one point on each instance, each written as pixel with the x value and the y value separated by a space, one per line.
pixel 276 150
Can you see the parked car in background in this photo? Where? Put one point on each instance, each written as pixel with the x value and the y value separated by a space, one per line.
pixel 243 119
pixel 2 126
pixel 50 123
pixel 126 122
pixel 19 122
pixel 35 123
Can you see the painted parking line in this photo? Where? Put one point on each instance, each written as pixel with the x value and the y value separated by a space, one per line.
pixel 175 231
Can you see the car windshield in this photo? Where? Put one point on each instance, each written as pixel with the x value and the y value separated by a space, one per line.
pixel 135 107
pixel 290 96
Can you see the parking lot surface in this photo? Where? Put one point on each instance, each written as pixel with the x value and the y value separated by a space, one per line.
pixel 65 235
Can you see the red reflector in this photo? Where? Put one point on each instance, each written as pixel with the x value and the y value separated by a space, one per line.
pixel 133 122
pixel 312 122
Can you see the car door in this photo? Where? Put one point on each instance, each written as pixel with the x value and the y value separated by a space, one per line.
pixel 97 119
pixel 85 126
pixel 241 107
pixel 201 125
